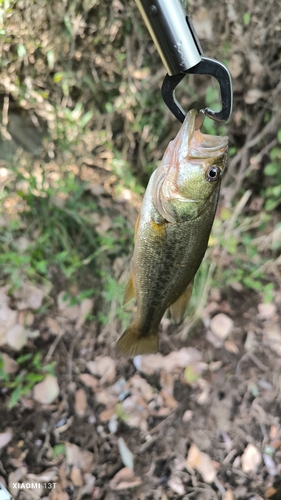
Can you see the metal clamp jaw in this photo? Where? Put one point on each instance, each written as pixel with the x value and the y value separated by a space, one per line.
pixel 181 53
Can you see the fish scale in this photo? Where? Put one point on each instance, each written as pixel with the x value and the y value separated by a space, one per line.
pixel 172 233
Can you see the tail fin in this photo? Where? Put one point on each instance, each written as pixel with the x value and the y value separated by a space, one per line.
pixel 133 343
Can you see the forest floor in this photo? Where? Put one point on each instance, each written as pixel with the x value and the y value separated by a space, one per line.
pixel 81 131
pixel 201 419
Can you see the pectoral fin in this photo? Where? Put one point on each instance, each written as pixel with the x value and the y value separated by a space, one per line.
pixel 130 292
pixel 136 228
pixel 179 306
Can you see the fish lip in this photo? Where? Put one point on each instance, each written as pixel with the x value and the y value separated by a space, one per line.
pixel 194 144
pixel 188 127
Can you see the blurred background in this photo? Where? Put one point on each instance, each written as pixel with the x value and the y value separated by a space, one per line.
pixel 83 126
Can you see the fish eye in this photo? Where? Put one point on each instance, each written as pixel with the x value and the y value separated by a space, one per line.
pixel 213 174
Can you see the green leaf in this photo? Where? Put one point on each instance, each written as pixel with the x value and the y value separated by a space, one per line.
pixel 42 266
pixel 271 204
pixel 246 18
pixel 254 284
pixel 59 76
pixel 276 191
pixel 21 50
pixel 275 153
pixel 271 169
pixel 279 136
pixel 232 151
pixel 25 357
pixel 190 375
pixel 36 362
pixel 68 24
pixel 58 449
pixel 51 59
pixel 86 118
pixel 109 107
pixel 16 394
pixel 34 377
pixel 50 368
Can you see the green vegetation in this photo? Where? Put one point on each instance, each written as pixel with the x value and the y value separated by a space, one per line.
pixel 31 371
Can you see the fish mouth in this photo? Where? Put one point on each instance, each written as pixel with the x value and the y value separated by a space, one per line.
pixel 193 144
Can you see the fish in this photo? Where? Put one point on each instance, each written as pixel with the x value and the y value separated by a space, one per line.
pixel 172 233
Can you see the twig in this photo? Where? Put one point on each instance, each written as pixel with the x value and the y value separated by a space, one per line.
pixel 164 422
pixel 253 358
pixel 53 347
pixel 243 155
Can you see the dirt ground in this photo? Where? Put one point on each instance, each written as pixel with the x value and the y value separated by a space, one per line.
pixel 200 420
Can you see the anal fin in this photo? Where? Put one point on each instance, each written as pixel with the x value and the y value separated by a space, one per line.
pixel 179 306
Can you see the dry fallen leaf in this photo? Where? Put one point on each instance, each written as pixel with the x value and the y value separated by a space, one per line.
pixel 107 414
pixel 105 223
pixel 228 495
pixel 89 381
pixel 272 337
pixel 270 492
pixel 200 461
pixel 273 433
pixel 203 24
pixel 78 457
pixel 266 311
pixel 136 410
pixel 103 367
pixel 175 483
pixel 76 477
pixel 5 438
pixel 29 297
pixel 187 416
pixel 250 459
pixel 221 326
pixel 15 477
pixel 124 479
pixel 9 364
pixel 46 391
pixel 16 337
pixel 168 399
pixel 80 402
pixel 58 493
pixel 69 312
pixel 231 347
pixel 54 326
pixel 151 363
pixel 126 454
pixel 8 317
pixel 140 385
pixel 105 397
pixel 214 340
pixel 85 308
pixel 236 65
pixel 88 490
pixel 252 96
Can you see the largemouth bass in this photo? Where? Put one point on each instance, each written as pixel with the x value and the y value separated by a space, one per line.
pixel 172 232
